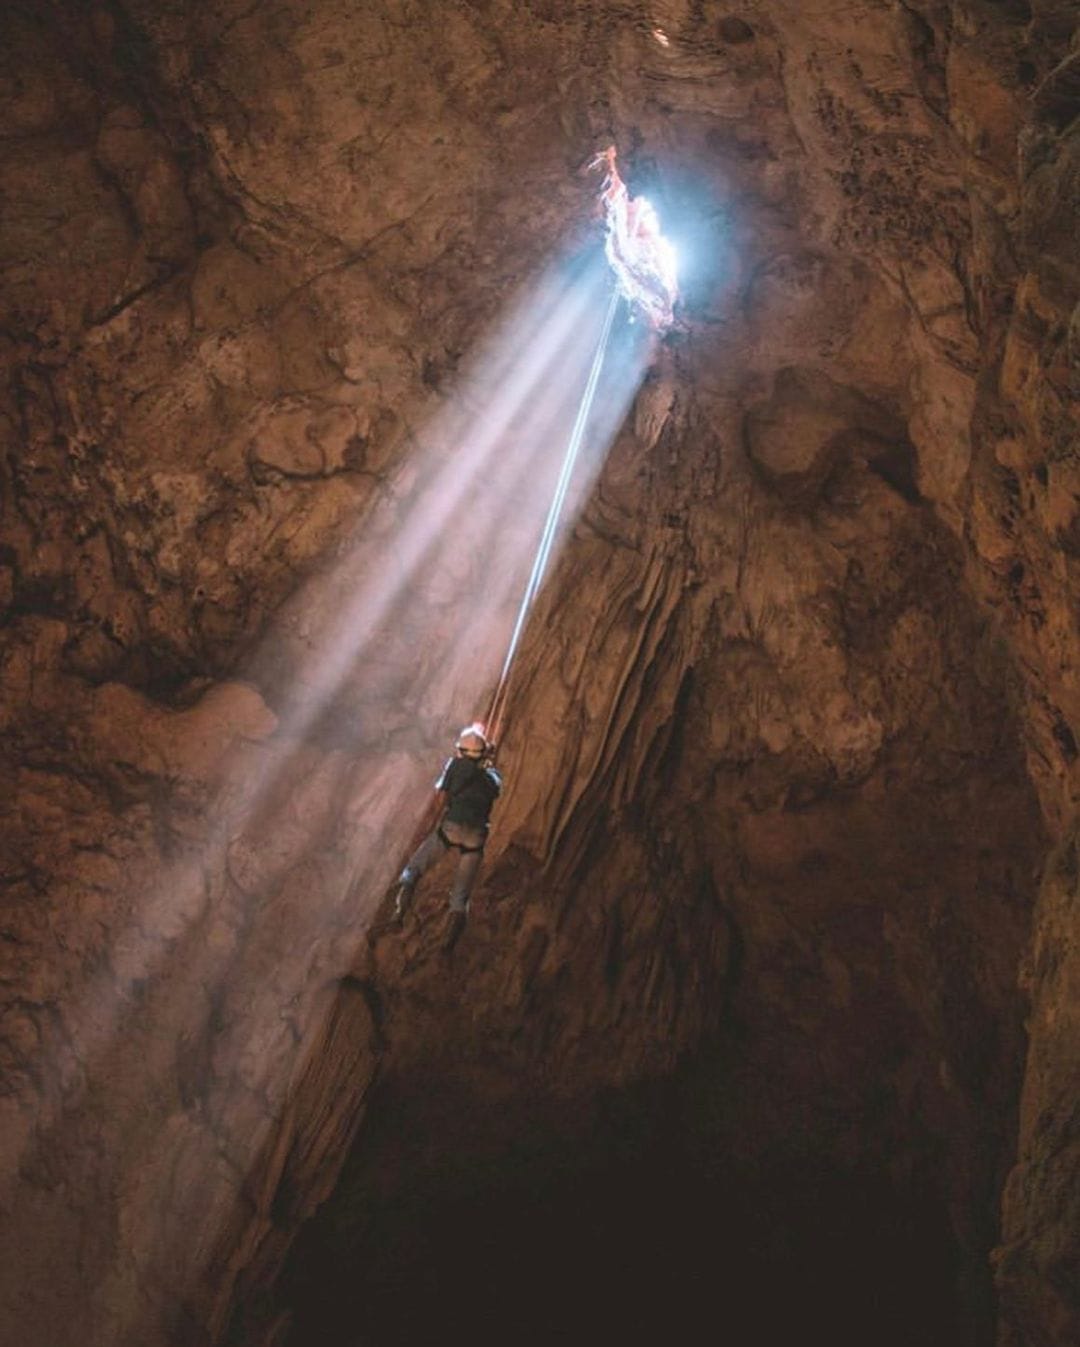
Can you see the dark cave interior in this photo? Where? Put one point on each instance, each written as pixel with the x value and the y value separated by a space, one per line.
pixel 765 1019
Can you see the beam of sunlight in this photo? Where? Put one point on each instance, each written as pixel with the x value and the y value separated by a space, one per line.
pixel 464 500
pixel 551 523
pixel 380 657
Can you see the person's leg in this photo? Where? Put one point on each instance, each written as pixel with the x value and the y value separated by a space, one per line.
pixel 468 867
pixel 422 859
pixel 468 863
pixel 464 879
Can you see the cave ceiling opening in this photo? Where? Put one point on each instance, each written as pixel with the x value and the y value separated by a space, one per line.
pixel 767 1006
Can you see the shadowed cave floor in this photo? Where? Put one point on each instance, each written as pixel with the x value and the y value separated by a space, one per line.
pixel 638 1255
pixel 636 1235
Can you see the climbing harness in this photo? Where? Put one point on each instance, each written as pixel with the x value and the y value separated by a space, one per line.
pixel 457 846
pixel 495 716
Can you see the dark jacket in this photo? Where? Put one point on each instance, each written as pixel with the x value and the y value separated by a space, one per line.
pixel 471 790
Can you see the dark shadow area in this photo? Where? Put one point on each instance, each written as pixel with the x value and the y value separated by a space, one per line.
pixel 635 1253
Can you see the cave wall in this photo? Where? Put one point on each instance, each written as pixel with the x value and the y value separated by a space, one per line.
pixel 810 653
pixel 731 875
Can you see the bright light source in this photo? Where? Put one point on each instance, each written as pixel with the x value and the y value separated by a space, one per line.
pixel 664 250
pixel 642 259
pixel 661 37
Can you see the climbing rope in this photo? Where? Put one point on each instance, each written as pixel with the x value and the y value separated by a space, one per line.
pixel 497 713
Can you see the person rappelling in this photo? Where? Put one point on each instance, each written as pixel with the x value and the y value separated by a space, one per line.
pixel 643 263
pixel 467 789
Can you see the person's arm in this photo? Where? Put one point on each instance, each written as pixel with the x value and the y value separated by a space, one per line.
pixel 437 806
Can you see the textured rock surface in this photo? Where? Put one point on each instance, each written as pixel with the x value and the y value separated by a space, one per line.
pixel 792 761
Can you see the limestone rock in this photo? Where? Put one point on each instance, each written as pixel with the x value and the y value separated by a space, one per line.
pixel 781 896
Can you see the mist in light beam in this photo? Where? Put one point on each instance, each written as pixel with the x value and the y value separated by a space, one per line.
pixel 370 668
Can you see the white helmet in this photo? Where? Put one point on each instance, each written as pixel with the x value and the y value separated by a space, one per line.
pixel 472 742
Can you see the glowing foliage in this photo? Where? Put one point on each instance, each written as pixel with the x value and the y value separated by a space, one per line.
pixel 642 259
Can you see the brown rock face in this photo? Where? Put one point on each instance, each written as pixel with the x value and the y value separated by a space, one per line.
pixel 766 1011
